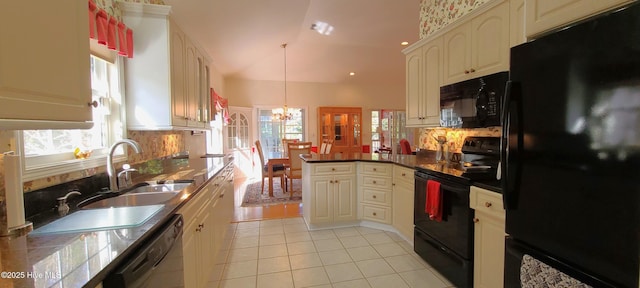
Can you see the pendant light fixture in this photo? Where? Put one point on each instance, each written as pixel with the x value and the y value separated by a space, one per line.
pixel 283 113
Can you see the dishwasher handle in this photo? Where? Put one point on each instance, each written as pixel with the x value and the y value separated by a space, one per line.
pixel 136 271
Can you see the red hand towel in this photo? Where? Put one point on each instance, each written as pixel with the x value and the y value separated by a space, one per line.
pixel 433 205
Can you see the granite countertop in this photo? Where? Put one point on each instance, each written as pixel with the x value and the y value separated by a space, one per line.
pixel 409 161
pixel 421 161
pixel 83 259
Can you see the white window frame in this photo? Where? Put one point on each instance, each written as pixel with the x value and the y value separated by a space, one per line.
pixel 38 167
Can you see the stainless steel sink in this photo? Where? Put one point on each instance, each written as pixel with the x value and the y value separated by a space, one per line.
pixel 160 188
pixel 141 195
pixel 133 199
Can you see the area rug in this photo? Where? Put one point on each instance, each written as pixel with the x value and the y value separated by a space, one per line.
pixel 254 197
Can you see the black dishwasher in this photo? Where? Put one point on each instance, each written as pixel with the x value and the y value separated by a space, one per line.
pixel 158 263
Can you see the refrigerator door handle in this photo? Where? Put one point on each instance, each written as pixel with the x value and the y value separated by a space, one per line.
pixel 509 158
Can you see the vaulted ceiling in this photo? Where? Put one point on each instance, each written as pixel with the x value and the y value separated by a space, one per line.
pixel 243 38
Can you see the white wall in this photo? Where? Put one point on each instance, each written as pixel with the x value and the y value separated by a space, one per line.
pixel 216 79
pixel 270 94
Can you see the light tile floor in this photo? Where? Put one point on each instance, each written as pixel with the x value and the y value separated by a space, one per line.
pixel 283 253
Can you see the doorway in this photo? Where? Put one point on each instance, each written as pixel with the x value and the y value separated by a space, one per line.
pixel 238 140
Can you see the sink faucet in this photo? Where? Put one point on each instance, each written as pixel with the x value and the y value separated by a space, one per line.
pixel 111 171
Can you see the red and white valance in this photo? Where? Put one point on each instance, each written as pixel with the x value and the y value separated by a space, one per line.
pixel 109 31
pixel 220 104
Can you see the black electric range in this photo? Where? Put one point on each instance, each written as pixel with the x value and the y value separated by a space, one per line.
pixel 447 243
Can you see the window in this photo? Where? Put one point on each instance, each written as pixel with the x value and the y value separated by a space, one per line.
pixel 273 131
pixel 238 132
pixel 51 152
pixel 375 130
pixel 387 128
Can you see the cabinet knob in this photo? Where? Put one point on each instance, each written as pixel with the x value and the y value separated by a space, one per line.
pixel 333 169
pixel 404 174
pixel 375 169
pixel 336 181
pixel 374 182
pixel 93 104
pixel 331 181
pixel 374 214
pixel 466 72
pixel 476 220
pixel 374 197
pixel 201 225
pixel 472 70
pixel 487 204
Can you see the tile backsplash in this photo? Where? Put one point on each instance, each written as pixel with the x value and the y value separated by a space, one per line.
pixel 155 144
pixel 455 136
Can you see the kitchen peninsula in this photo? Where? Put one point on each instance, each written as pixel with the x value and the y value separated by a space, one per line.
pixel 350 189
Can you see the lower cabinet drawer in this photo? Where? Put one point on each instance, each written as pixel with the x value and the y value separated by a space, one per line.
pixel 375 213
pixel 376 197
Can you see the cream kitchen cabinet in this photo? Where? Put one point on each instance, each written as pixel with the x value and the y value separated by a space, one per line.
pixel 478 47
pixel 165 87
pixel 375 191
pixel 489 237
pixel 198 240
pixel 329 193
pixel 44 65
pixel 403 193
pixel 424 77
pixel 544 16
pixel 517 33
pixel 222 208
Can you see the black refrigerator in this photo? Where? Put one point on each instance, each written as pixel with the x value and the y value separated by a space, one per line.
pixel 571 154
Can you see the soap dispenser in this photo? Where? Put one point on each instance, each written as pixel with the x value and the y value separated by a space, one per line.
pixel 63 207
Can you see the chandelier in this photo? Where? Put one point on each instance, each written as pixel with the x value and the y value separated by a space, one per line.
pixel 283 113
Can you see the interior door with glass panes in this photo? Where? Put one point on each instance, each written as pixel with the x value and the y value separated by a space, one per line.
pixel 238 140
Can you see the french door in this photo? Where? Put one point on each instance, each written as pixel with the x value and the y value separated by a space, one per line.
pixel 238 139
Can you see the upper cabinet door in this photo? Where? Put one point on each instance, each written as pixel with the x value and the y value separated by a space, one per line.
pixel 478 47
pixel 178 79
pixel 457 54
pixel 414 82
pixel 517 34
pixel 543 16
pixel 490 42
pixel 45 71
pixel 432 54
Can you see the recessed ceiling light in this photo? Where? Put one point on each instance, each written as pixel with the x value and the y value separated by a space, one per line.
pixel 322 27
pixel 404 43
pixel 352 73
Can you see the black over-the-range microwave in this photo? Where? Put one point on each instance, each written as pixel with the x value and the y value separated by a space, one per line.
pixel 473 103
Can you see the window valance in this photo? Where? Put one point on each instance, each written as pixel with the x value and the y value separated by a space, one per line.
pixel 110 31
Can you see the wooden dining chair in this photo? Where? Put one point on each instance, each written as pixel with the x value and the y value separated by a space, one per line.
pixel 294 171
pixel 278 170
pixel 286 142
